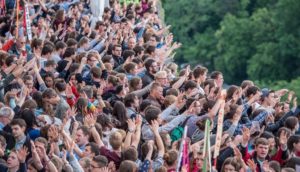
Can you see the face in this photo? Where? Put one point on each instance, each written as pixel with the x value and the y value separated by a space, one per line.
pixel 49 82
pixel 31 168
pixel 87 151
pixel 203 77
pixel 197 107
pixel 117 51
pixel 163 80
pixel 94 167
pixel 152 41
pixel 158 93
pixel 297 147
pixel 73 80
pixel 53 100
pixel 262 151
pixel 131 43
pixel 229 168
pixel 220 81
pixel 21 43
pixel 154 67
pixel 286 108
pixel 140 85
pixel 17 131
pixel 92 61
pixel 81 139
pixel 136 102
pixel 271 143
pixel 271 99
pixel 12 160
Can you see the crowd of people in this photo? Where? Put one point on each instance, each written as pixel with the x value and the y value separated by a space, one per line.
pixel 91 85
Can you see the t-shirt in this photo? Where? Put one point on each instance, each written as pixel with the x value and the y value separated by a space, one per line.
pixel 111 156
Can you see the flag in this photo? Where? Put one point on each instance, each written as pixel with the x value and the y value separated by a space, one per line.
pixel 27 24
pixel 182 156
pixel 206 150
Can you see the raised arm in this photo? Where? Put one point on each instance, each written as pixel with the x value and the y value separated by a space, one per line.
pixel 160 145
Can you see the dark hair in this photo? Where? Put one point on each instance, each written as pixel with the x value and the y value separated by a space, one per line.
pixel 148 63
pixel 47 49
pixel 215 74
pixel 230 91
pixel 94 148
pixel 291 122
pixel 198 71
pixel 293 139
pixel 19 122
pixel 69 52
pixel 251 91
pixel 120 113
pixel 231 161
pixel 28 116
pixel 128 166
pixel 85 130
pixel 130 154
pixel 151 113
pixel 129 99
pixel 60 45
pixel 170 157
pixel 190 85
pixel 128 53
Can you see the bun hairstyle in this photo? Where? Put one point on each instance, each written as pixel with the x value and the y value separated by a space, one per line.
pixel 170 157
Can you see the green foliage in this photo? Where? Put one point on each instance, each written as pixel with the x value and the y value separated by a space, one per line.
pixel 245 39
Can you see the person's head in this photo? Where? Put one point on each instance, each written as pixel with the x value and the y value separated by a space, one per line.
pixel 60 47
pixel 96 73
pixel 152 113
pixel 271 139
pixel 6 115
pixel 116 140
pixel 85 163
pixel 293 143
pixel 151 66
pixel 21 42
pixel 120 113
pixel 161 77
pixel 166 140
pixel 246 84
pixel 49 79
pixel 218 77
pixel 18 127
pixel 69 53
pixel 169 100
pixel 13 160
pixel 40 144
pixel 231 165
pixel 91 150
pixel 98 162
pixel 135 84
pixel 275 166
pixel 139 51
pixel 92 59
pixel 261 148
pixel 82 136
pixel 50 96
pixel 131 100
pixel 156 91
pixel 29 117
pixel 128 55
pixel 130 68
pixel 286 107
pixel 268 97
pixel 130 154
pixel 131 43
pixel 287 169
pixel 232 91
pixel 189 86
pixel 200 73
pixel 47 51
pixel 128 166
pixel 84 43
pixel 292 123
pixel 117 50
pixel 251 91
pixel 36 45
pixel 170 158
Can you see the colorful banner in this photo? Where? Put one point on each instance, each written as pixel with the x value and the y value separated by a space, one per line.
pixel 182 156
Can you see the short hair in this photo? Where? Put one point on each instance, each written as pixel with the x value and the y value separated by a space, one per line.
pixel 261 141
pixel 291 122
pixel 130 154
pixel 94 148
pixel 36 42
pixel 19 122
pixel 274 165
pixel 151 113
pixel 50 63
pixel 60 45
pixel 154 86
pixel 138 49
pixel 190 85
pixel 47 49
pixel 129 99
pixel 42 140
pixel 6 112
pixel 170 157
pixel 115 46
pixel 148 63
pixel 128 53
pixel 96 72
pixel 161 74
pixel 150 49
pixel 198 71
pixel 85 130
pixel 83 40
pixel 252 90
pixel 129 66
pixel 100 160
pixel 115 140
pixel 128 166
pixel 246 83
pixel 69 52
pixel 215 74
pixel 71 42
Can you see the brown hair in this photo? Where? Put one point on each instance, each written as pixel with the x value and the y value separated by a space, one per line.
pixel 170 157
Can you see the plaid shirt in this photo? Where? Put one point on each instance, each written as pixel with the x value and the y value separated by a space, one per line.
pixel 260 118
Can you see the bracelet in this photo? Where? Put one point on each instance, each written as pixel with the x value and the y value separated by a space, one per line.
pixel 130 131
pixel 91 126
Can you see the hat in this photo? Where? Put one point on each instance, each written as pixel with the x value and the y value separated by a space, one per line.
pixel 265 92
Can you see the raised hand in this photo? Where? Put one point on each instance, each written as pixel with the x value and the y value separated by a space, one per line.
pixel 53 134
pixel 22 153
pixel 283 138
pixel 251 165
pixel 246 135
pixel 154 126
pixel 89 121
pixel 131 125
